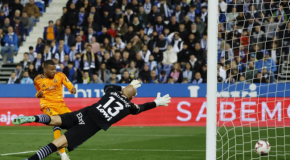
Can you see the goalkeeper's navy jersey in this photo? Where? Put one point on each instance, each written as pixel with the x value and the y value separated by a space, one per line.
pixel 112 107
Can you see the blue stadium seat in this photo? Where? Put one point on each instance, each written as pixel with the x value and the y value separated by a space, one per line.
pixel 41 6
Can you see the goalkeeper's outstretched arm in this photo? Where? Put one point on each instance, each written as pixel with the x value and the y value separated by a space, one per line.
pixel 159 101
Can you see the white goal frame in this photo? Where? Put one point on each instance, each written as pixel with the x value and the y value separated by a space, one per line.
pixel 211 114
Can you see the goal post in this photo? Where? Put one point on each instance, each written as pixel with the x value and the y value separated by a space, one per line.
pixel 253 101
pixel 211 121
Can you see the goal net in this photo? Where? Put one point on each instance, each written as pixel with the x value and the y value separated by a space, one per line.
pixel 253 90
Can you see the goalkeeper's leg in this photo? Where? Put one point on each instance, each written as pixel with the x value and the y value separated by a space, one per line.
pixel 47 150
pixel 43 118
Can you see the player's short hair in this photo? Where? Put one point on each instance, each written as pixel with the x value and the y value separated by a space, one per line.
pixel 25 53
pixel 48 62
pixel 30 48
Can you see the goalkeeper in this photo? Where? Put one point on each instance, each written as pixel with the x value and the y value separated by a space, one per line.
pixel 83 124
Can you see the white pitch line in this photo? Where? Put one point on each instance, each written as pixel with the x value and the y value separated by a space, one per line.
pixel 143 150
pixel 8 154
pixel 139 135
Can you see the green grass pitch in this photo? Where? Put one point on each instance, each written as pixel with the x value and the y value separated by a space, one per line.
pixel 146 143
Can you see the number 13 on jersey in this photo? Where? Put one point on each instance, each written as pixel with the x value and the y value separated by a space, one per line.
pixel 109 113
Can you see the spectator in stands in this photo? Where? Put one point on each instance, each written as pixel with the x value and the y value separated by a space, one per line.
pixel 126 78
pixel 112 30
pixel 176 73
pixel 259 54
pixel 11 45
pixel 19 71
pixel 52 48
pixel 104 35
pixel 60 54
pixel 103 73
pixel 38 63
pixel 31 71
pixel 144 74
pixel 133 72
pixel 170 80
pixel 47 53
pixel 50 33
pixel 81 17
pixel 80 45
pixel 139 61
pixel 2 17
pixel 32 11
pixel 119 44
pixel 77 61
pixel 142 16
pixel 251 72
pixel 162 77
pixel 31 54
pixel 13 79
pixel 113 79
pixel 96 79
pixel 59 26
pixel 188 72
pixel 105 19
pixel 153 65
pixel 184 54
pixel 26 62
pixel 6 25
pixel 115 63
pixel 281 11
pixel 68 37
pixel 26 79
pixel 95 45
pixel 153 77
pixel 145 53
pixel 231 19
pixel 122 28
pixel 89 61
pixel 107 45
pixel 258 36
pixel 26 23
pixel 72 73
pixel 91 34
pixel 267 63
pixel 260 79
pixel 39 48
pixel 198 79
pixel 169 56
pixel 86 78
pixel 78 4
pixel 17 6
pixel 71 16
pixel 129 35
pixel 7 9
pixel 16 15
pixel 19 30
pixel 158 56
pixel 227 53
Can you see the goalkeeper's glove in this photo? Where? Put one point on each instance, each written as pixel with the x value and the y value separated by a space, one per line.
pixel 162 101
pixel 136 84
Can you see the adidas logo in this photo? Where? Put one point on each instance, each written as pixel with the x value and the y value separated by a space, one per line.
pixel 43 85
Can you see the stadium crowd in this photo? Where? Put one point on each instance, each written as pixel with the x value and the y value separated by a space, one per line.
pixel 156 41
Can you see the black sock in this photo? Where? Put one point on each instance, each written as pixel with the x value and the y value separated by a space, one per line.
pixel 44 152
pixel 43 118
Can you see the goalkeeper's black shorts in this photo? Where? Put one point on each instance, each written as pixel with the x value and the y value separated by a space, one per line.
pixel 80 127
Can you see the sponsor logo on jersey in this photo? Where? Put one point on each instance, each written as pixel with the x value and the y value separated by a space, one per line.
pixel 43 85
pixel 54 81
pixel 80 118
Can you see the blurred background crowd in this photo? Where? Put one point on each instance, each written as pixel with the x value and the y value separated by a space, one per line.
pixel 155 41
